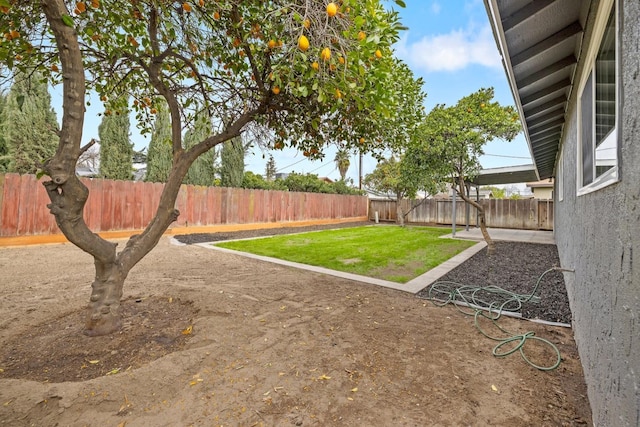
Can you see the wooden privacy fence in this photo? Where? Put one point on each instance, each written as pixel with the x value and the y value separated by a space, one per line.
pixel 129 205
pixel 525 214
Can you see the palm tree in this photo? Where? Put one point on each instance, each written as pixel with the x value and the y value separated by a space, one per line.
pixel 342 162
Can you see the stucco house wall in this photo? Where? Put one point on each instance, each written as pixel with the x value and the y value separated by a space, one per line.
pixel 598 235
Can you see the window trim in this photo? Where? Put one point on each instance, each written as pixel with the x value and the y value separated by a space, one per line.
pixel 611 176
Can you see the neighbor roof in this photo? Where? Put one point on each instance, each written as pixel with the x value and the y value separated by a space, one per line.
pixel 540 42
pixel 505 175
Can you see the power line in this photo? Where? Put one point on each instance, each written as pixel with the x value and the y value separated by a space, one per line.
pixel 288 166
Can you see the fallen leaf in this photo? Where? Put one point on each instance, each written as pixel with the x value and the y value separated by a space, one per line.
pixel 170 299
pixel 122 424
pixel 93 362
pixel 113 371
pixel 350 398
pixel 188 330
pixel 354 389
pixel 324 377
pixel 494 388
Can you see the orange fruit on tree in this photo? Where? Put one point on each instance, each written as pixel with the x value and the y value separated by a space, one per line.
pixel 54 68
pixel 361 140
pixel 275 90
pixel 306 23
pixel 325 54
pixel 378 54
pixel 81 6
pixel 303 43
pixel 201 3
pixel 272 44
pixel 186 7
pixel 153 111
pixel 361 35
pixel 315 65
pixel 332 9
pixel 15 34
pixel 341 60
pixel 95 4
pixel 338 94
pixel 216 15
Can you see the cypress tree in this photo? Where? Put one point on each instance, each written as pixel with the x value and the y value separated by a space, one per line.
pixel 202 171
pixel 160 153
pixel 29 124
pixel 4 158
pixel 116 150
pixel 270 169
pixel 232 163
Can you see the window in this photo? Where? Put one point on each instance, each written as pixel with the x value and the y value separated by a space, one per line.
pixel 598 110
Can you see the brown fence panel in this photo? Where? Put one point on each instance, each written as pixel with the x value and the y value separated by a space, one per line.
pixel 525 214
pixel 128 205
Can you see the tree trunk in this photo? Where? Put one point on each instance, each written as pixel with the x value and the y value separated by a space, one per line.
pixel 481 218
pixel 105 316
pixel 399 213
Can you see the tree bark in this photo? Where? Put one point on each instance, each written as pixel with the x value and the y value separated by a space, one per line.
pixel 399 212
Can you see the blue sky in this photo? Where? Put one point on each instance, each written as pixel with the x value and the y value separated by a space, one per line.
pixel 449 44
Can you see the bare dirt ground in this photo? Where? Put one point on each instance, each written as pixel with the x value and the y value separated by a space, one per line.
pixel 268 346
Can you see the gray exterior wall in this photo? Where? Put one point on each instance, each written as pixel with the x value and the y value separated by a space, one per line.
pixel 598 235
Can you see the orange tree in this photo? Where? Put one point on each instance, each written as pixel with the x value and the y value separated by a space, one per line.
pixel 293 72
pixel 451 140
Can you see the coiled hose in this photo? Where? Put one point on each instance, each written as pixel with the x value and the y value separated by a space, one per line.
pixel 490 302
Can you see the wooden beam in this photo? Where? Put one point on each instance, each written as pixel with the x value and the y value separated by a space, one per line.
pixel 547 71
pixel 554 104
pixel 529 11
pixel 546 44
pixel 563 84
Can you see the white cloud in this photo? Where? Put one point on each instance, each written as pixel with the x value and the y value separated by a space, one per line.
pixel 451 52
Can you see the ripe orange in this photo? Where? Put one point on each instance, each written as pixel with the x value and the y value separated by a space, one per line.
pixel 303 43
pixel 338 94
pixel 153 111
pixel 341 60
pixel 306 23
pixel 361 35
pixel 332 9
pixel 216 15
pixel 272 44
pixel 361 140
pixel 81 6
pixel 275 90
pixel 186 7
pixel 95 4
pixel 15 34
pixel 325 54
pixel 378 54
pixel 315 65
pixel 54 68
pixel 201 3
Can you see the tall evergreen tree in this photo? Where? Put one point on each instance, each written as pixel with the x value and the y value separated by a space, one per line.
pixel 270 169
pixel 202 171
pixel 232 163
pixel 29 124
pixel 116 149
pixel 4 158
pixel 159 155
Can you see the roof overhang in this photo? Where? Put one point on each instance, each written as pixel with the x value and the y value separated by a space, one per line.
pixel 540 42
pixel 506 175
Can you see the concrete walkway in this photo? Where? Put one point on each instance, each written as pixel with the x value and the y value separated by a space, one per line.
pixel 416 285
pixel 530 236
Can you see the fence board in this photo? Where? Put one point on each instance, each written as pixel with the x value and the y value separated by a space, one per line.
pixel 525 214
pixel 127 205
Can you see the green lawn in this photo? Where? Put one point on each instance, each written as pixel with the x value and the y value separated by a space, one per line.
pixel 386 252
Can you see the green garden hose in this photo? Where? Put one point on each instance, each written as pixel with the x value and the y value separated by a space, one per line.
pixel 491 302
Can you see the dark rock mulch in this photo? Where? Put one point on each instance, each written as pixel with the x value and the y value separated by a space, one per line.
pixel 514 266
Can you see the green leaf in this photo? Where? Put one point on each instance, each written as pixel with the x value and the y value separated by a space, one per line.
pixel 68 21
pixel 401 3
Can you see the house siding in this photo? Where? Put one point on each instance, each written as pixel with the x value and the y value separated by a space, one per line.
pixel 598 235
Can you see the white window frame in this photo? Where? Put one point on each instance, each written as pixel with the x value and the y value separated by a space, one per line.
pixel 611 176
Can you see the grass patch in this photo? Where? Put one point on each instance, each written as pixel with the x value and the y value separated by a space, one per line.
pixel 392 253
